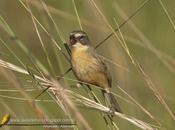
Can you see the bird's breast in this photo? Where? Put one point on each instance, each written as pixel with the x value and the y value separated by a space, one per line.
pixel 88 69
pixel 83 61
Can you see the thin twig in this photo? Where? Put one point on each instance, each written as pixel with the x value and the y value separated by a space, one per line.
pixel 121 25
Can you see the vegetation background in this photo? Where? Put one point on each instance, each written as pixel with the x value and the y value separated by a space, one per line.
pixel 150 39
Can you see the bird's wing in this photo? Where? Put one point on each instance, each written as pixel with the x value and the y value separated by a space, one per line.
pixel 104 69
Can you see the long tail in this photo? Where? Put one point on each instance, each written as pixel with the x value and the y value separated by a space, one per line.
pixel 113 102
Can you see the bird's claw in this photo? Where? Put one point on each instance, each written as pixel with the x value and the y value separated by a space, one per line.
pixel 112 111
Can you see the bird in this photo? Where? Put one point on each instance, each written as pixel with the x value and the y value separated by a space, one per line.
pixel 89 67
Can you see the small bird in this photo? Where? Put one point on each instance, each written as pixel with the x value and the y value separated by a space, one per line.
pixel 89 67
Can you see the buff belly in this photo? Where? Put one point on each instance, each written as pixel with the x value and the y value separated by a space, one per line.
pixel 87 69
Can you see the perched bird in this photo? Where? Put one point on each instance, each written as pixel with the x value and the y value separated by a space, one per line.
pixel 89 67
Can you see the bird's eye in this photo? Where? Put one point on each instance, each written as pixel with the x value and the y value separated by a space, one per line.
pixel 81 37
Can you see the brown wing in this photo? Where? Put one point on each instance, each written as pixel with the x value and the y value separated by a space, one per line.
pixel 104 68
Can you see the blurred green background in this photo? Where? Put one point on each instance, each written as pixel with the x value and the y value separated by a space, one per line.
pixel 151 41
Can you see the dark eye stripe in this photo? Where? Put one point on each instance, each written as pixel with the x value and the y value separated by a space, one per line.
pixel 81 37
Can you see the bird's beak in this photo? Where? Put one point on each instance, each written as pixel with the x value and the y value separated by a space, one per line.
pixel 72 40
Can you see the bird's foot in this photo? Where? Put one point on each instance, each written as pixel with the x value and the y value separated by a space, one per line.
pixel 112 111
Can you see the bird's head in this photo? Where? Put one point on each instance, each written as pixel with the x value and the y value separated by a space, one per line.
pixel 79 39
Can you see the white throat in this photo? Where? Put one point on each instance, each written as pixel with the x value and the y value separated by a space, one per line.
pixel 81 47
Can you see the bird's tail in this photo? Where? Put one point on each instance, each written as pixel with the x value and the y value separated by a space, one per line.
pixel 113 102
